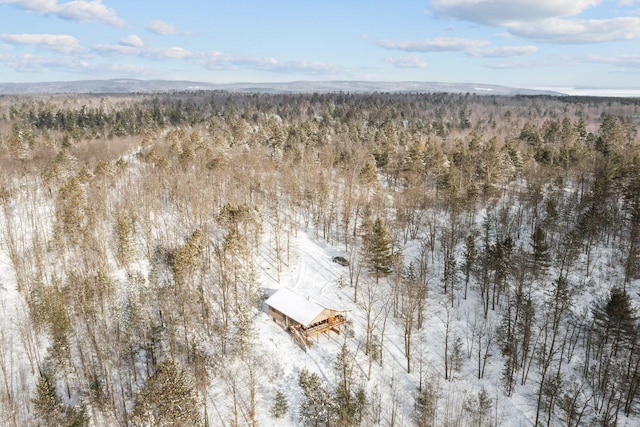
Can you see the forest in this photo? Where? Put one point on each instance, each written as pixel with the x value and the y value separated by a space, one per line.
pixel 493 248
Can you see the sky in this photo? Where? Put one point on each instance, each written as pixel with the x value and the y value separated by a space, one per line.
pixel 519 43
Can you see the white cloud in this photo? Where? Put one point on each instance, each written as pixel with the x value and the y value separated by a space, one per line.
pixel 307 67
pixel 127 69
pixel 59 42
pixel 513 64
pixel 504 51
pixel 406 62
pixel 503 12
pixel 131 47
pixel 471 47
pixel 222 61
pixel 132 41
pixel 439 44
pixel 548 21
pixel 166 53
pixel 216 60
pixel 213 60
pixel 108 49
pixel 78 10
pixel 622 60
pixel 564 31
pixel 162 28
pixel 84 11
pixel 253 63
pixel 28 63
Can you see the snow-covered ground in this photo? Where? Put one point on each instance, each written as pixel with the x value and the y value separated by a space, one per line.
pixel 309 270
pixel 19 349
pixel 312 272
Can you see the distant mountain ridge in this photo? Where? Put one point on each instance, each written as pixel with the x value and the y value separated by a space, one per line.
pixel 123 86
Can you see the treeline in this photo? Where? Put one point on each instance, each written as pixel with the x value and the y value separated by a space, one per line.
pixel 138 264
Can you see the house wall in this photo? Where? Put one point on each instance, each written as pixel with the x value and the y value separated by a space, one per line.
pixel 281 318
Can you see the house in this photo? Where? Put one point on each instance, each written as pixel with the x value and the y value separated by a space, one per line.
pixel 305 317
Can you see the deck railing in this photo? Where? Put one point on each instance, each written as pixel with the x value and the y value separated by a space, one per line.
pixel 303 335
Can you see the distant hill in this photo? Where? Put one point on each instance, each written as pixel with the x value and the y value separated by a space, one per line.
pixel 151 86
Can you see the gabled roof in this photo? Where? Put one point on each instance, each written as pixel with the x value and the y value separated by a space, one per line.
pixel 301 308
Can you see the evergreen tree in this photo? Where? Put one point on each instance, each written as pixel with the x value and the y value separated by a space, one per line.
pixel 541 257
pixel 611 136
pixel 470 254
pixel 167 398
pixel 369 172
pixel 318 407
pixel 616 320
pixel 378 246
pixel 47 405
pixel 479 407
pixel 426 406
pixel 50 409
pixel 631 192
pixel 186 258
pixel 500 257
pixel 125 237
pixel 280 406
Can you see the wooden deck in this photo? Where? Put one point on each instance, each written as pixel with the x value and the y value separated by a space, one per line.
pixel 303 336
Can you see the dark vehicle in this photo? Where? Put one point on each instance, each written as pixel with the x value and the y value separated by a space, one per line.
pixel 340 260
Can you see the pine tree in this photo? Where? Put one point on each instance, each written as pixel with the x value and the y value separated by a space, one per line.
pixel 369 172
pixel 125 237
pixel 186 258
pixel 167 398
pixel 49 408
pixel 47 405
pixel 631 192
pixel 616 319
pixel 426 406
pixel 479 407
pixel 470 254
pixel 541 257
pixel 378 247
pixel 280 405
pixel 611 135
pixel 318 407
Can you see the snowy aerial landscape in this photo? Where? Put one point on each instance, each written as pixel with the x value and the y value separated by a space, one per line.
pixel 320 213
pixel 486 250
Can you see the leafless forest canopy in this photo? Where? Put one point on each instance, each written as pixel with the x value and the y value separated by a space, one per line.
pixel 134 228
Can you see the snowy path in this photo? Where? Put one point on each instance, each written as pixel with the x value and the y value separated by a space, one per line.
pixel 313 271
